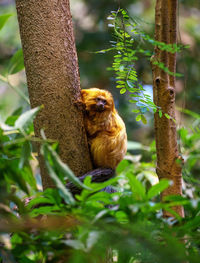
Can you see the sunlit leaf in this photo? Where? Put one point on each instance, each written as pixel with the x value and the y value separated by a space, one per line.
pixel 26 151
pixel 76 244
pixel 66 195
pixel 144 120
pixel 19 180
pixel 138 118
pixel 29 177
pixel 26 119
pixel 64 169
pixel 39 201
pixel 158 188
pixel 130 84
pixel 167 116
pixel 134 145
pixel 122 91
pixel 92 239
pixel 135 111
pixel 3 19
pixel 16 62
pixel 121 217
pixel 137 188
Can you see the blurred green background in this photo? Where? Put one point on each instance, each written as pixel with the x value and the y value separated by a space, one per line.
pixel 93 34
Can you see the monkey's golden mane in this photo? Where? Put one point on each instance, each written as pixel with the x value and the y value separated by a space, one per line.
pixel 105 129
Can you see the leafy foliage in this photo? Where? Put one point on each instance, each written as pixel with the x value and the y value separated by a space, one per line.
pixel 126 33
pixel 54 226
pixel 16 62
pixel 127 226
pixel 3 19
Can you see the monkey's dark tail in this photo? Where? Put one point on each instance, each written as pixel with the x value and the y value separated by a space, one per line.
pixel 98 175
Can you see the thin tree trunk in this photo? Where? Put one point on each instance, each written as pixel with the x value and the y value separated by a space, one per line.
pixel 168 160
pixel 53 79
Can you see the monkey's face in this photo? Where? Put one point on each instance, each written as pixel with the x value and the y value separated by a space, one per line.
pixel 97 100
pixel 100 103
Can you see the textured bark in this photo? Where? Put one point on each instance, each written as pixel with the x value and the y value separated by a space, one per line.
pixel 53 79
pixel 168 159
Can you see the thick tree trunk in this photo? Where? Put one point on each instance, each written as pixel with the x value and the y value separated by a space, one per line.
pixel 53 79
pixel 168 160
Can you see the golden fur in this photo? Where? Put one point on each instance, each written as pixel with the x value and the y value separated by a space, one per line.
pixel 106 130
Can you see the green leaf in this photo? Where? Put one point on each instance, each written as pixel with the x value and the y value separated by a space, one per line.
pixel 160 113
pixel 122 91
pixel 100 215
pixel 137 188
pixel 175 198
pixel 103 196
pixel 110 18
pixel 16 63
pixel 18 179
pixel 120 82
pixel 135 95
pixel 3 19
pixel 12 119
pixel 134 145
pixel 121 217
pixel 19 203
pixel 39 200
pixel 173 120
pixel 25 154
pixel 192 224
pixel 66 195
pixel 133 101
pixel 135 111
pixel 167 116
pixel 158 188
pixel 44 210
pixel 144 120
pixel 92 239
pixel 64 169
pixel 52 195
pixel 143 101
pixel 138 118
pixel 16 239
pixel 189 112
pixel 76 244
pixel 98 186
pixel 120 86
pixel 29 177
pixel 130 84
pixel 26 119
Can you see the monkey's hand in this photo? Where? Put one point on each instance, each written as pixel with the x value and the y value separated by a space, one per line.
pixel 80 105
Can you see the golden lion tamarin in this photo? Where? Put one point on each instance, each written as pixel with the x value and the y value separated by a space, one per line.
pixel 105 129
